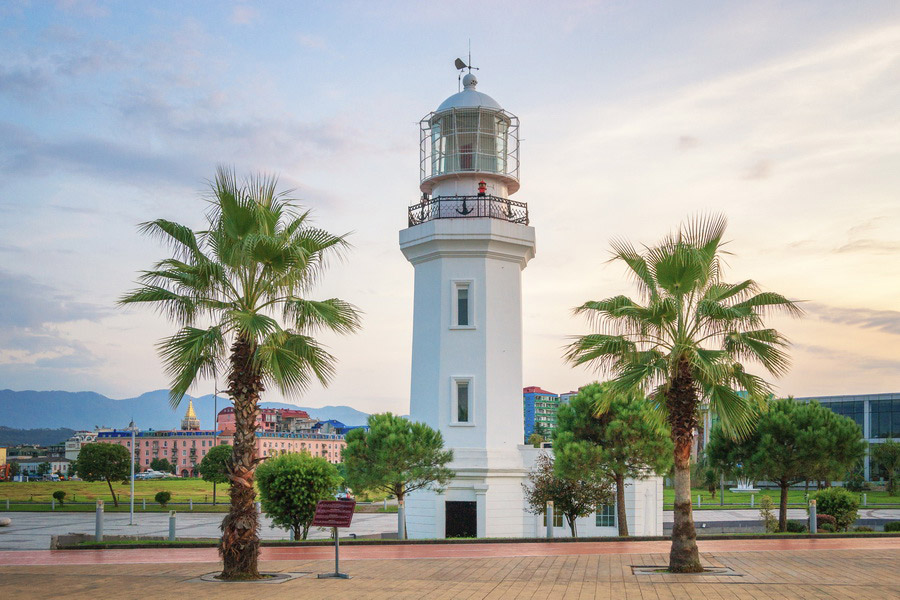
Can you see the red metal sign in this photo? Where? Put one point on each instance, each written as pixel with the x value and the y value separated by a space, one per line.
pixel 334 513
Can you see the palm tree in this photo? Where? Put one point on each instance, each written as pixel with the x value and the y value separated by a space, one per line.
pixel 226 287
pixel 684 341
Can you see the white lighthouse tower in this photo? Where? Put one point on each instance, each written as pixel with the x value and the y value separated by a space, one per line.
pixel 469 244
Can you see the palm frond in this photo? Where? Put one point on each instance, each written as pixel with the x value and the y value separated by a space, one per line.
pixel 190 353
pixel 291 361
pixel 177 307
pixel 333 314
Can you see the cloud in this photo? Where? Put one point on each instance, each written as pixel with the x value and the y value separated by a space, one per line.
pixel 759 170
pixel 887 321
pixel 26 303
pixel 687 142
pixel 27 153
pixel 870 246
pixel 244 15
pixel 83 8
pixel 850 361
pixel 314 42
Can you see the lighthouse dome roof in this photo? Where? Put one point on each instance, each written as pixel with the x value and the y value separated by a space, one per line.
pixel 469 97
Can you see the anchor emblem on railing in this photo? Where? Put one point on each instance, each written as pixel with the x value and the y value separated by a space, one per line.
pixel 465 209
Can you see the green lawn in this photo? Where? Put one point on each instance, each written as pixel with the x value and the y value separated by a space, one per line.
pixel 182 490
pixel 742 500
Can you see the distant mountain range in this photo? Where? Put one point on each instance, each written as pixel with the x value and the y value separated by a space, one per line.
pixel 41 437
pixel 85 410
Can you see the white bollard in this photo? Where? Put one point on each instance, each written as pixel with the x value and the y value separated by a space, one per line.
pixel 52 503
pixel 865 500
pixel 172 526
pixel 7 504
pixel 698 500
pixel 752 498
pixel 191 501
pixel 98 525
pixel 143 504
pixel 549 513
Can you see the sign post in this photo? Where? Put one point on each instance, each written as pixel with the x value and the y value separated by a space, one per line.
pixel 334 514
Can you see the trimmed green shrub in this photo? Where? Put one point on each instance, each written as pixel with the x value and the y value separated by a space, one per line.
pixel 826 518
pixel 59 496
pixel 163 498
pixel 892 526
pixel 863 529
pixel 839 503
pixel 827 528
pixel 796 527
pixel 291 485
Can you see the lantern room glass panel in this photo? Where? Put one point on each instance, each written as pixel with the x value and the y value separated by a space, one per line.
pixel 469 140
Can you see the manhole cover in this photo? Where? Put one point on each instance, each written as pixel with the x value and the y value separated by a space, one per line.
pixel 663 570
pixel 268 578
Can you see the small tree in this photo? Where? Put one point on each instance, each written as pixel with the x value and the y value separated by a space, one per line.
pixel 711 481
pixel 836 449
pixel 396 456
pixel 43 469
pixel 572 498
pixel 535 439
pixel 104 462
pixel 840 504
pixel 887 456
pixel 793 442
pixel 765 513
pixel 14 469
pixel 162 465
pixel 619 434
pixel 214 466
pixel 291 485
pixel 59 496
pixel 163 498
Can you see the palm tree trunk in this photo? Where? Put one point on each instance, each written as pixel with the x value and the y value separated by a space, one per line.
pixel 239 546
pixel 621 516
pixel 681 400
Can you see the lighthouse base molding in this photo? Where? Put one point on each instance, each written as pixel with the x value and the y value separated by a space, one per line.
pixel 486 500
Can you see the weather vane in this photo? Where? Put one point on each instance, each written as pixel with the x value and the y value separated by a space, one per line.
pixel 460 65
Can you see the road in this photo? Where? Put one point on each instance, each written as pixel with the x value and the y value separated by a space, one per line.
pixel 32 530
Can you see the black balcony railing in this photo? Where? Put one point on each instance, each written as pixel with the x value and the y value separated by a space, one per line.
pixel 467 207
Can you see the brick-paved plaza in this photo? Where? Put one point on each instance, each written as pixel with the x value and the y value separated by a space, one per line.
pixel 858 569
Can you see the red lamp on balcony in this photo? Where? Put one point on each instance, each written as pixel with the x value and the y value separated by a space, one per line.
pixel 482 188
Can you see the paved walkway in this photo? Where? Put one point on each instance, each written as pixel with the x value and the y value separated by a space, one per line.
pixel 852 569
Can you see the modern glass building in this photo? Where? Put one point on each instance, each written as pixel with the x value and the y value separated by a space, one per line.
pixel 877 414
pixel 540 408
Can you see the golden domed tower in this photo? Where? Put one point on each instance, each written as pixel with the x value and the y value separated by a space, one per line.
pixel 190 422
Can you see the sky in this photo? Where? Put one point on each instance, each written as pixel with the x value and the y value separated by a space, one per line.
pixel 784 116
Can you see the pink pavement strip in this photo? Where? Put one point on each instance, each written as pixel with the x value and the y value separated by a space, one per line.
pixel 432 551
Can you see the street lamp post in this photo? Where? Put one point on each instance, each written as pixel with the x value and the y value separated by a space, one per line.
pixel 133 429
pixel 216 391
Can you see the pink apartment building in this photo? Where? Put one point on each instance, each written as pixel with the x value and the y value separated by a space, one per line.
pixel 185 448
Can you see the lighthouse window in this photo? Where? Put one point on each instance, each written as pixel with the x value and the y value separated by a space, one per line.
pixel 462 305
pixel 462 401
pixel 462 315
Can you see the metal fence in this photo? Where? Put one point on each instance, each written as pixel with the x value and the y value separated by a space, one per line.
pixel 462 207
